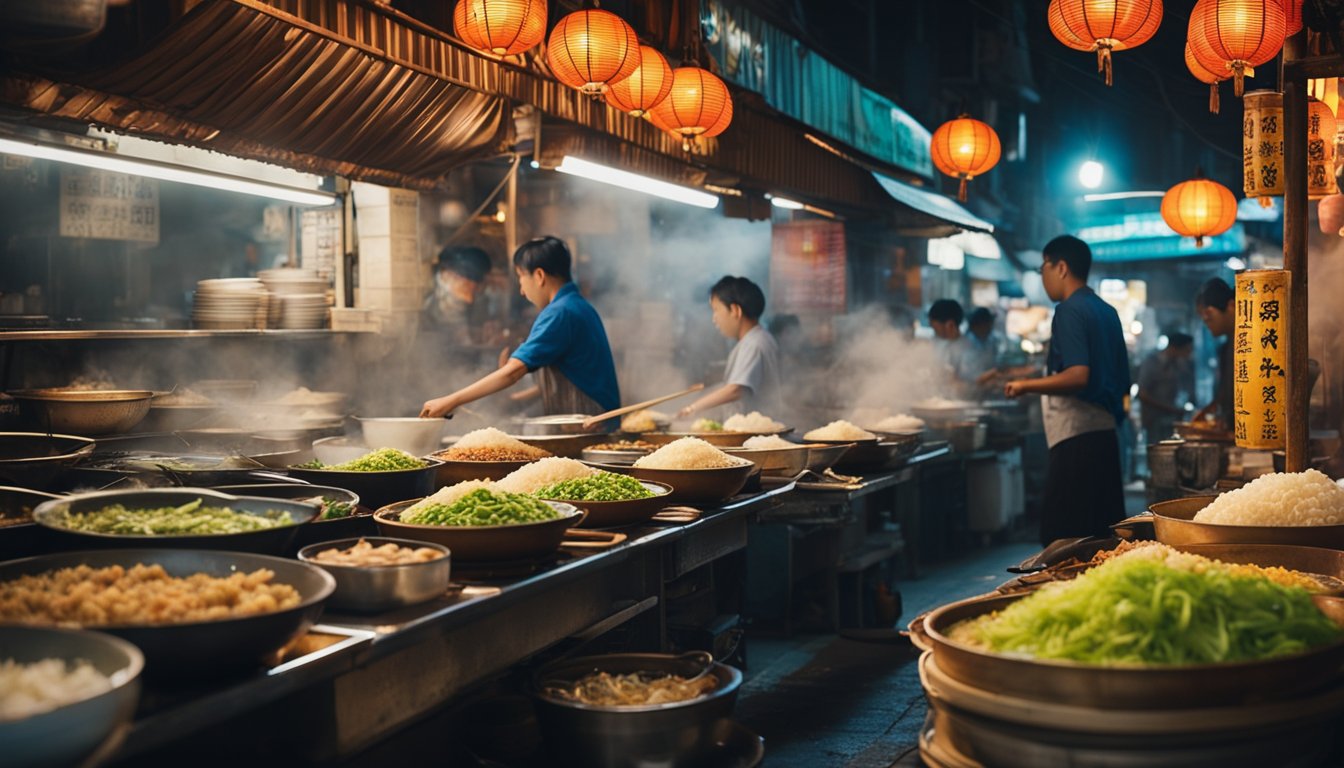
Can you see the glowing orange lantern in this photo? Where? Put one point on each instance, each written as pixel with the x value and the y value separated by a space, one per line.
pixel 1292 11
pixel 589 50
pixel 646 87
pixel 1236 35
pixel 965 148
pixel 699 105
pixel 1104 26
pixel 1204 75
pixel 501 27
pixel 1199 208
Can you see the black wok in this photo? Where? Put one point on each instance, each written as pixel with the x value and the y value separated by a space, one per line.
pixel 36 460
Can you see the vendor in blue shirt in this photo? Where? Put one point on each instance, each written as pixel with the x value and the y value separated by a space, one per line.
pixel 567 349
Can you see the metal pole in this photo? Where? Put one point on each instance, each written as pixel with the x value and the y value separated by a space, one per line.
pixel 1295 253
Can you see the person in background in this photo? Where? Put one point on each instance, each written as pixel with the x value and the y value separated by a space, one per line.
pixel 1166 382
pixel 982 343
pixel 1216 305
pixel 567 348
pixel 1084 391
pixel 752 376
pixel 459 273
pixel 953 349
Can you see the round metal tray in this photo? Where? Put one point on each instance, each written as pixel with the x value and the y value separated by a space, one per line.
pixel 1174 524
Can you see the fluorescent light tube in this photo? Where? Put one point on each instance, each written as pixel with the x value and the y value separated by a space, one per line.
pixel 108 162
pixel 633 181
pixel 786 203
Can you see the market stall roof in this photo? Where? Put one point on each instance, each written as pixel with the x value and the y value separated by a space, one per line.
pixel 928 214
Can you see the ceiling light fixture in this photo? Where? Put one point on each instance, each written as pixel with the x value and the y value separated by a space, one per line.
pixel 633 181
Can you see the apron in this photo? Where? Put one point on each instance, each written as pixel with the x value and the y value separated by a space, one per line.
pixel 1066 416
pixel 560 396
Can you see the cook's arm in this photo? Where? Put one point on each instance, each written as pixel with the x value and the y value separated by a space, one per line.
pixel 728 393
pixel 1067 382
pixel 503 378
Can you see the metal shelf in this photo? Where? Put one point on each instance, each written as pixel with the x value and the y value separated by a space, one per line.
pixel 167 333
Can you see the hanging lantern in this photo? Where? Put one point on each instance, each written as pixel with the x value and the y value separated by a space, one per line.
pixel 1204 75
pixel 1199 208
pixel 1292 11
pixel 589 50
pixel 1320 150
pixel 1104 26
pixel 646 87
pixel 1262 146
pixel 1236 35
pixel 699 106
pixel 965 148
pixel 501 27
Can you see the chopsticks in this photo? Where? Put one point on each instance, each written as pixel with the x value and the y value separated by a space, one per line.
pixel 593 421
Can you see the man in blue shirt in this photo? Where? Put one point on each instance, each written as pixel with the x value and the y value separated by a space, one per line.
pixel 1084 399
pixel 567 348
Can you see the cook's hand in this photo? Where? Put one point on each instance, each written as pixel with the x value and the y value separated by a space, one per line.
pixel 684 412
pixel 1015 389
pixel 436 408
pixel 987 377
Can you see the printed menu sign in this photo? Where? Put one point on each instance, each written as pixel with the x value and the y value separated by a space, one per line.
pixel 109 206
pixel 1260 353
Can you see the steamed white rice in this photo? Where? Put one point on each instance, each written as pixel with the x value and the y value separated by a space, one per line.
pixel 41 686
pixel 839 430
pixel 764 442
pixel 901 422
pixel 489 437
pixel 451 494
pixel 644 421
pixel 688 453
pixel 1281 499
pixel 751 422
pixel 539 474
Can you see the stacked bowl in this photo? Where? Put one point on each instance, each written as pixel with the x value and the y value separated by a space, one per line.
pixel 298 297
pixel 224 304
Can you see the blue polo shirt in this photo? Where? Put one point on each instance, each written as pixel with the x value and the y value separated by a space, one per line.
pixel 569 336
pixel 1086 331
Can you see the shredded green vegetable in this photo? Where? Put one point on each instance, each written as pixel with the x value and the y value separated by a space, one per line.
pixel 192 518
pixel 484 507
pixel 1141 610
pixel 381 460
pixel 604 486
pixel 706 425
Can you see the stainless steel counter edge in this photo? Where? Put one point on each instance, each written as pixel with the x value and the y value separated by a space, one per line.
pixel 169 333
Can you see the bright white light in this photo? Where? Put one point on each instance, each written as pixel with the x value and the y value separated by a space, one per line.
pixel 1090 174
pixel 633 181
pixel 162 172
pixel 1235 263
pixel 1098 197
pixel 1136 328
pixel 786 203
pixel 535 164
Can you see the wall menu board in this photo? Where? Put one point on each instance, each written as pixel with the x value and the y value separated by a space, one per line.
pixel 109 206
pixel 320 241
pixel 807 267
pixel 1260 353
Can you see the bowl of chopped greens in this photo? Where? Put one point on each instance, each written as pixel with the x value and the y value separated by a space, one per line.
pixel 1152 628
pixel 483 525
pixel 610 499
pixel 179 518
pixel 380 477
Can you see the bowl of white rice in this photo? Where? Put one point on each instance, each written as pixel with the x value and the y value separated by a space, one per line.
pixel 487 454
pixel 64 694
pixel 755 423
pixel 698 472
pixel 840 431
pixel 900 424
pixel 774 455
pixel 1296 508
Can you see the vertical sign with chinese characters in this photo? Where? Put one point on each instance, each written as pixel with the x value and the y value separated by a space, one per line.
pixel 1262 145
pixel 1260 355
pixel 110 206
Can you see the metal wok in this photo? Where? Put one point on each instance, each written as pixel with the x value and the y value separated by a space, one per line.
pixel 84 412
pixel 36 460
pixel 202 649
pixel 1174 524
pixel 484 543
pixel 376 489
pixel 609 514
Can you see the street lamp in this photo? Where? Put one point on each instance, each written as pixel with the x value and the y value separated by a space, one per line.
pixel 1090 174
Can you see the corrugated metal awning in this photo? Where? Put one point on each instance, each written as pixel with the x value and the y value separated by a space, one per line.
pixel 928 214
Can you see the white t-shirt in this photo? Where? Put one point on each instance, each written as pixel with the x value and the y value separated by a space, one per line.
pixel 754 364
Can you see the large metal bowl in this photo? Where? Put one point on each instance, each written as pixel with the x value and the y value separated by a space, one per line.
pixel 35 460
pixel 270 541
pixel 377 489
pixel 374 589
pixel 452 472
pixel 1174 524
pixel 876 457
pixel 720 439
pixel 201 649
pixel 484 543
pixel 568 446
pixel 823 456
pixel 71 733
pixel 693 486
pixel 676 735
pixel 556 424
pixel 1150 687
pixel 776 462
pixel 610 514
pixel 83 412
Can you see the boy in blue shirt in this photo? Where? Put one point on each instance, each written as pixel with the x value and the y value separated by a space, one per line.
pixel 1084 399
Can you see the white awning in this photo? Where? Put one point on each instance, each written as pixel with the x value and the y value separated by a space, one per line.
pixel 929 214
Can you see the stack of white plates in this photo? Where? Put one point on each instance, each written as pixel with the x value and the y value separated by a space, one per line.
pixel 229 304
pixel 289 281
pixel 303 310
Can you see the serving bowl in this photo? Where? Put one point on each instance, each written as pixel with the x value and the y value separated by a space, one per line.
pixel 1174 523
pixel 676 735
pixel 452 471
pixel 718 439
pixel 71 733
pixel 823 456
pixel 693 486
pixel 338 449
pixel 36 459
pixel 609 514
pixel 875 457
pixel 595 456
pixel 413 435
pixel 376 489
pixel 201 649
pixel 83 412
pixel 378 588
pixel 484 543
pixel 778 462
pixel 266 541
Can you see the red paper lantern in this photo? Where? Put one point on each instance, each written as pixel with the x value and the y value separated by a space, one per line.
pixel 646 87
pixel 1204 75
pixel 501 27
pixel 699 105
pixel 1236 35
pixel 1199 208
pixel 589 50
pixel 1292 11
pixel 1104 26
pixel 965 148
